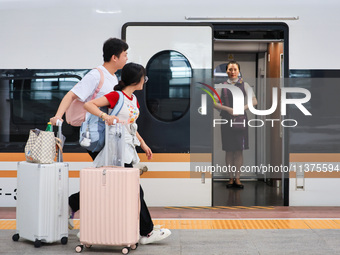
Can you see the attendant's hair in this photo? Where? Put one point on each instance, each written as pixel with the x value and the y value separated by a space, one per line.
pixel 132 73
pixel 113 46
pixel 231 63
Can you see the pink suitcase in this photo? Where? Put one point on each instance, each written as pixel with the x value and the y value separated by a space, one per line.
pixel 109 207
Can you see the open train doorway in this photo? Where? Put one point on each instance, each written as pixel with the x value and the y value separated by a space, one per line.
pixel 262 53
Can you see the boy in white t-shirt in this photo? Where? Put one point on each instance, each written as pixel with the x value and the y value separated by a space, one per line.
pixel 115 57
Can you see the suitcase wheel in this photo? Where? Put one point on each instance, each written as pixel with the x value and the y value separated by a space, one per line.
pixel 64 240
pixel 134 246
pixel 126 250
pixel 15 237
pixel 37 243
pixel 88 246
pixel 79 248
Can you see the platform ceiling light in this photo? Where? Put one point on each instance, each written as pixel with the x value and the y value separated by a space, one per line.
pixel 109 12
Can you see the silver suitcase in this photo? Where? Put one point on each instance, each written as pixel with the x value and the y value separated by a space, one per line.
pixel 42 202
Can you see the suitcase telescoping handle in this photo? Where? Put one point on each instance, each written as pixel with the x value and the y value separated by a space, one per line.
pixel 106 148
pixel 60 136
pixel 60 159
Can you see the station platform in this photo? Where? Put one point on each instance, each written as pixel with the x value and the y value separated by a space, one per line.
pixel 212 230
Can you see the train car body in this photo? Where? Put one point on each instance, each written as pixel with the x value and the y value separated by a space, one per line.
pixel 47 46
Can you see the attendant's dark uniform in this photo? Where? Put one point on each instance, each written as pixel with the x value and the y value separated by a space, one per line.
pixel 233 139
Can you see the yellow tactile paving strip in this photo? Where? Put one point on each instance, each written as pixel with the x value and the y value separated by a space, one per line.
pixel 219 207
pixel 227 224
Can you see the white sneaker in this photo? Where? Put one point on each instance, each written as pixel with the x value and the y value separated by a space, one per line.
pixel 70 219
pixel 155 236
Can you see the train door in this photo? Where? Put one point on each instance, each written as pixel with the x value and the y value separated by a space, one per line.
pixel 261 55
pixel 176 56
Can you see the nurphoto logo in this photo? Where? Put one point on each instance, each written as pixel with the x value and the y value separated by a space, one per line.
pixel 238 105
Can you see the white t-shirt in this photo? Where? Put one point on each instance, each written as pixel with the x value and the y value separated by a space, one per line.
pixel 87 86
pixel 129 112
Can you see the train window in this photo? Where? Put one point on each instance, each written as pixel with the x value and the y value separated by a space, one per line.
pixel 34 100
pixel 31 99
pixel 168 87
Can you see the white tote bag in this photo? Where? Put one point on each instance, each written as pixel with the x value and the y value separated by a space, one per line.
pixel 41 147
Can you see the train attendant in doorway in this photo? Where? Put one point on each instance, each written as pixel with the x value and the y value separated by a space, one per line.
pixel 133 78
pixel 234 140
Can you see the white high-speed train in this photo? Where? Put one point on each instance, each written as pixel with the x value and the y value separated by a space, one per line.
pixel 47 46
